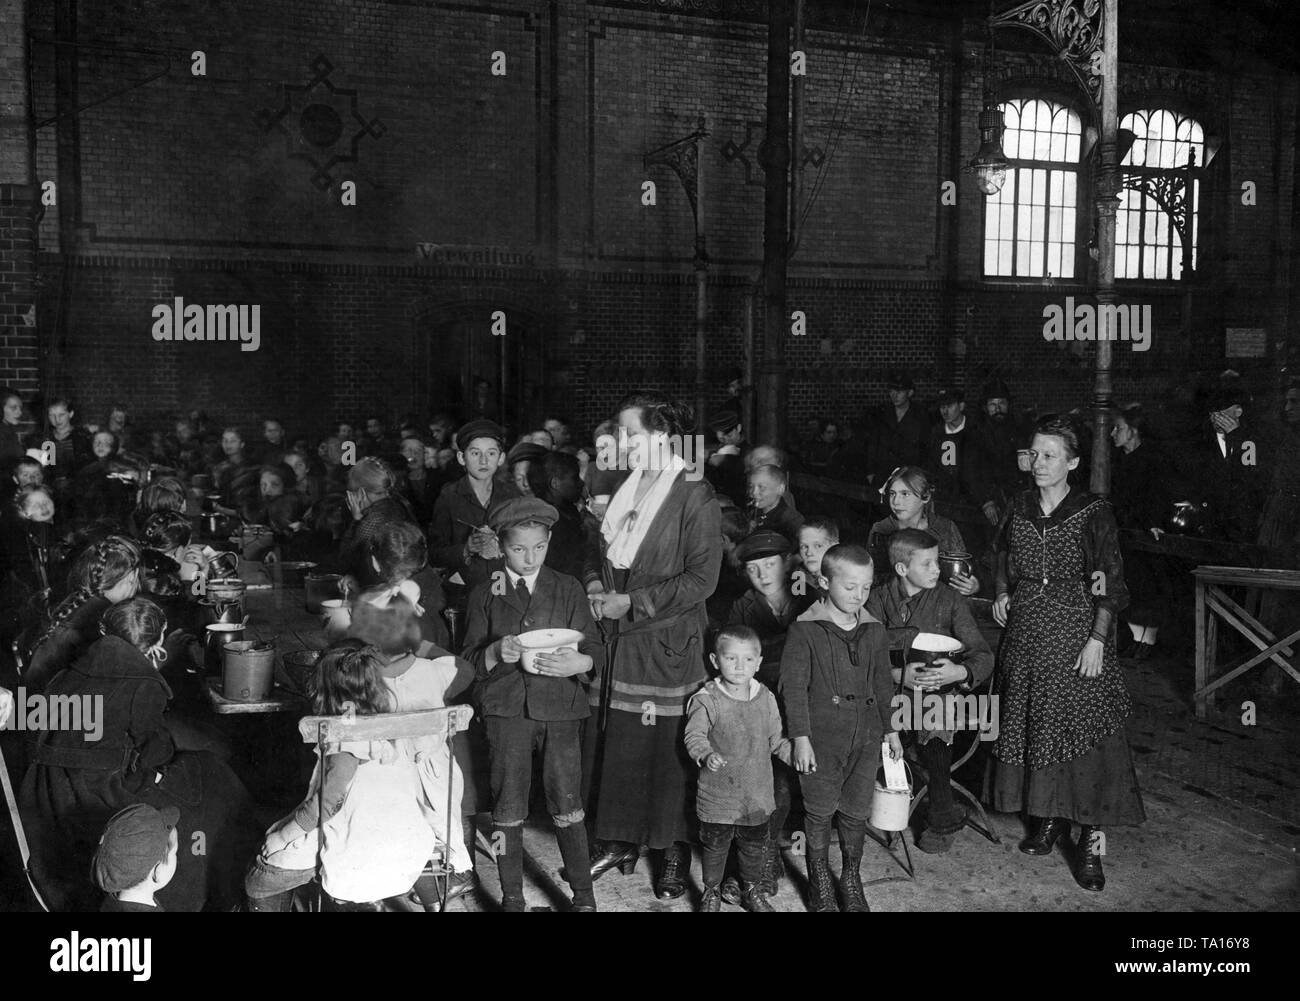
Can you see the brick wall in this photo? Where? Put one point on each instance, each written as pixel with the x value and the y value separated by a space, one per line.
pixel 188 187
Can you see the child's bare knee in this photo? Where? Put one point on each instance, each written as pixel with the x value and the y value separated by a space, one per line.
pixel 507 823
pixel 569 819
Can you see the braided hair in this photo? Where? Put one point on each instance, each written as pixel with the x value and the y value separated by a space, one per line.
pixel 99 568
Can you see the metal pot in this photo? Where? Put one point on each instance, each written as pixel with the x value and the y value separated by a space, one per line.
pixel 219 635
pixel 952 564
pixel 215 612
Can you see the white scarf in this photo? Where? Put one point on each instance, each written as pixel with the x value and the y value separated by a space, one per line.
pixel 623 534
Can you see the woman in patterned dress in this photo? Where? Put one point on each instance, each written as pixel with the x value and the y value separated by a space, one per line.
pixel 1062 754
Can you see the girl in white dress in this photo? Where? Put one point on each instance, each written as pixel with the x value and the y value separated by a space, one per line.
pixel 377 831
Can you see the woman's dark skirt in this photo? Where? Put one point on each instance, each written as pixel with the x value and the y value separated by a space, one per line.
pixel 1098 788
pixel 644 790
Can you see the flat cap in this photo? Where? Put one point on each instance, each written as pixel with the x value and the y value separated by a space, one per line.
pixel 478 429
pixel 762 543
pixel 518 510
pixel 529 450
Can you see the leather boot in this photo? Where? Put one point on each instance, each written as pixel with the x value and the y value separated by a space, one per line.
pixel 677 863
pixel 821 890
pixel 510 866
pixel 1087 869
pixel 711 903
pixel 853 833
pixel 773 870
pixel 731 891
pixel 1043 834
pixel 754 899
pixel 573 849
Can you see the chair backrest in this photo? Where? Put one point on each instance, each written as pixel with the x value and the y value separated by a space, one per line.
pixel 386 726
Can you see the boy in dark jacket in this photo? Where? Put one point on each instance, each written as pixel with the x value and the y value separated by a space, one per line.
pixel 912 603
pixel 541 709
pixel 836 688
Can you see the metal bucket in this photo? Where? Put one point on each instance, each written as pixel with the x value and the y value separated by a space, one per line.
pixel 890 808
pixel 248 671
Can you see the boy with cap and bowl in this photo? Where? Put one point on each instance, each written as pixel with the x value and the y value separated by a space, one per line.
pixel 136 857
pixel 459 539
pixel 538 708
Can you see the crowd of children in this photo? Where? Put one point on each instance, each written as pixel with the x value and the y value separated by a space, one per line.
pixel 809 641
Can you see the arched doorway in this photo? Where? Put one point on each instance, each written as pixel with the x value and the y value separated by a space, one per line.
pixel 463 366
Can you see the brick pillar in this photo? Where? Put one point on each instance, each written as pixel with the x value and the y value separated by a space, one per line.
pixel 19 198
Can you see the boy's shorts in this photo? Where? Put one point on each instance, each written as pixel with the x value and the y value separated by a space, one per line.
pixel 845 779
pixel 511 743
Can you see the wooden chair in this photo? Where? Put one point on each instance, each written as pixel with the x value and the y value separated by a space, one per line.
pixel 24 852
pixel 444 723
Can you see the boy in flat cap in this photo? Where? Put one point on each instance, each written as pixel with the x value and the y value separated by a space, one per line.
pixel 136 857
pixel 459 539
pixel 532 711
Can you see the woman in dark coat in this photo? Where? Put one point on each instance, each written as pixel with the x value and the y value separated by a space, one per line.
pixel 661 547
pixel 123 753
pixel 1141 496
pixel 1062 754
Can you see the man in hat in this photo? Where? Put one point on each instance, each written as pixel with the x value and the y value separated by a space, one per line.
pixel 725 469
pixel 539 708
pixel 459 538
pixel 1221 458
pixel 958 467
pixel 1003 436
pixel 136 857
pixel 900 431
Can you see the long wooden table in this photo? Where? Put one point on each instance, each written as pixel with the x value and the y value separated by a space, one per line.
pixel 279 616
pixel 1213 602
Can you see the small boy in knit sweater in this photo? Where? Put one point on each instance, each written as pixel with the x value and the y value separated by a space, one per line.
pixel 733 728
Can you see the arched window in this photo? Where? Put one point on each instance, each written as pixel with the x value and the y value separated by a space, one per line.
pixel 1029 226
pixel 1157 224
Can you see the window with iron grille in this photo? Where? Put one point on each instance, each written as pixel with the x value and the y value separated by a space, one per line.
pixel 1157 225
pixel 1030 225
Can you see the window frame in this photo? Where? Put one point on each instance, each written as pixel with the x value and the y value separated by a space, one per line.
pixel 1082 195
pixel 1150 107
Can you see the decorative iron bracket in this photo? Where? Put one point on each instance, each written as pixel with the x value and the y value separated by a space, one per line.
pixel 683 156
pixel 1073 28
